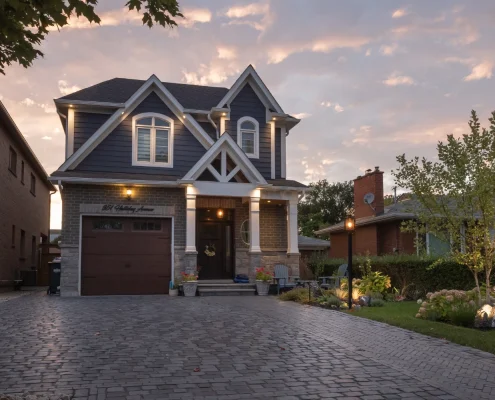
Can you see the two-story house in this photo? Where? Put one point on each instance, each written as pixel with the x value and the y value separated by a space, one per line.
pixel 24 205
pixel 162 178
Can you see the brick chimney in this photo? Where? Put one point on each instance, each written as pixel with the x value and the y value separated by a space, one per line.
pixel 371 182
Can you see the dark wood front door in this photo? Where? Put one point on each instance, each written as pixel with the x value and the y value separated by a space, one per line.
pixel 125 255
pixel 214 237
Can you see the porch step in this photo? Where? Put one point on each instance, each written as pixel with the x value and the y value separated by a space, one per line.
pixel 226 288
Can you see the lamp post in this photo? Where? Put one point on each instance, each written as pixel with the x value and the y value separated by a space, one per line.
pixel 350 225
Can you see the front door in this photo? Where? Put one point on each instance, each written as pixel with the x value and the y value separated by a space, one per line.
pixel 214 244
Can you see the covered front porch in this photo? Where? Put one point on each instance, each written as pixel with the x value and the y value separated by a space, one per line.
pixel 231 235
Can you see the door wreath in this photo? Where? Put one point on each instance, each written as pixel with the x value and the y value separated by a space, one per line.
pixel 210 250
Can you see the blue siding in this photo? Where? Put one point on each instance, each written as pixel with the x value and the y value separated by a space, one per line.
pixel 114 153
pixel 278 154
pixel 85 124
pixel 247 104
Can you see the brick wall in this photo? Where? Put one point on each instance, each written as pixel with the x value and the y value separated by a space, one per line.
pixel 74 195
pixel 273 225
pixel 20 208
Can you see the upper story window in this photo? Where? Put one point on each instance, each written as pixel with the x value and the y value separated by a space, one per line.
pixel 22 172
pixel 33 185
pixel 152 140
pixel 248 136
pixel 13 161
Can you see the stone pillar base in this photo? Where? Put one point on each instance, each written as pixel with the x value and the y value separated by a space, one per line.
pixel 184 262
pixel 254 262
pixel 69 273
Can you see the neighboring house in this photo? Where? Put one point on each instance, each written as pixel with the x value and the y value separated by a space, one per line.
pixel 378 228
pixel 163 178
pixel 24 205
pixel 309 246
pixel 54 234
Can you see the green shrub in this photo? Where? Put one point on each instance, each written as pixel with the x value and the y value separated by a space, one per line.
pixel 413 275
pixel 328 300
pixel 377 303
pixel 452 306
pixel 299 295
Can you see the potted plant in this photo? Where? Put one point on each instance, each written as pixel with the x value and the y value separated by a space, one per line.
pixel 189 284
pixel 173 289
pixel 263 280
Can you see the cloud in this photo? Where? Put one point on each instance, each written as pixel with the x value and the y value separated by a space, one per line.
pixel 66 89
pixel 46 138
pixel 399 13
pixel 226 53
pixel 361 136
pixel 480 71
pixel 388 50
pixel 322 45
pixel 192 16
pixel 238 15
pixel 338 108
pixel 326 104
pixel 248 10
pixel 396 80
pixel 28 102
pixel 301 115
pixel 212 74
pixel 48 108
pixel 368 53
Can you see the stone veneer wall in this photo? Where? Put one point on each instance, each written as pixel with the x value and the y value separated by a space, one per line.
pixel 75 195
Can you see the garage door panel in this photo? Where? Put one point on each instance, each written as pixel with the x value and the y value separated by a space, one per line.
pixel 117 259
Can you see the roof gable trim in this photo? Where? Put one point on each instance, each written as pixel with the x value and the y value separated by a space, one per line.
pixel 250 75
pixel 228 145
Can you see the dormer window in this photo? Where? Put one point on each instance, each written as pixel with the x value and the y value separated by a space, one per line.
pixel 248 136
pixel 152 140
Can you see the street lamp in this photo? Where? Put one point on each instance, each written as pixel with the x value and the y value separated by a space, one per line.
pixel 350 225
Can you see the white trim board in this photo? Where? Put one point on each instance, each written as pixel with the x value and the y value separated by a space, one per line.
pixel 153 84
pixel 172 241
pixel 234 151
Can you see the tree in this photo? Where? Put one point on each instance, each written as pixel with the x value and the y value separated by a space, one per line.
pixel 25 23
pixel 325 204
pixel 456 196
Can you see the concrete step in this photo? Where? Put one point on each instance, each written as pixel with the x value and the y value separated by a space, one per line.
pixel 231 291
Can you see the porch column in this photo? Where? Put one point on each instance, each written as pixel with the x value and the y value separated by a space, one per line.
pixel 292 240
pixel 254 223
pixel 190 222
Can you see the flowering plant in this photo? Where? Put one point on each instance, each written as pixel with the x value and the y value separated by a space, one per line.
pixel 263 275
pixel 454 306
pixel 189 277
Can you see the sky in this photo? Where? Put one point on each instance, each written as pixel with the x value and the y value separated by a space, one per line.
pixel 370 80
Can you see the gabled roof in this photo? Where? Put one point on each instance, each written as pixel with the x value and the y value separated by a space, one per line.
pixel 119 90
pixel 250 75
pixel 229 146
pixel 13 131
pixel 152 84
pixel 310 243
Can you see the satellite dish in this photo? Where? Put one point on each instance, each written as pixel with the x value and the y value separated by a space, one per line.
pixel 369 198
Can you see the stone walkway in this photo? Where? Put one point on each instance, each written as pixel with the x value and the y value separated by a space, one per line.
pixel 158 347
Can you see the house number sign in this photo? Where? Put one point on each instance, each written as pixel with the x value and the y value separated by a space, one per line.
pixel 127 208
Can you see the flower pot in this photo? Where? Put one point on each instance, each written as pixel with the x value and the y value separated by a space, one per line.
pixel 262 287
pixel 173 292
pixel 190 288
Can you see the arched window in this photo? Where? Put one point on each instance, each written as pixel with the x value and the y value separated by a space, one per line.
pixel 152 140
pixel 248 136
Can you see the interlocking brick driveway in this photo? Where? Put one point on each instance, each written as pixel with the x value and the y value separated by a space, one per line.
pixel 224 348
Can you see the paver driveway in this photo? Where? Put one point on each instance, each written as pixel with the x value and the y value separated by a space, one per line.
pixel 224 348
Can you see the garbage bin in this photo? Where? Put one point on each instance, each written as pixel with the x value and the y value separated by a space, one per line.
pixel 55 268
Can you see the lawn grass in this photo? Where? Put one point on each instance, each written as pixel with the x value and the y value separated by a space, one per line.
pixel 402 314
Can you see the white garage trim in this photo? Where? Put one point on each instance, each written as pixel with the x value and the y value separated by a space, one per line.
pixel 172 254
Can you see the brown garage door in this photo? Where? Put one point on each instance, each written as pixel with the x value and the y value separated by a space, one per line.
pixel 125 255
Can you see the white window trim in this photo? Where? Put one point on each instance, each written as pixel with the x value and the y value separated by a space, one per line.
pixel 135 161
pixel 256 132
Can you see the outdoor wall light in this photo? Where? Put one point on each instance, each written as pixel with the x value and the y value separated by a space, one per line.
pixel 128 192
pixel 350 224
pixel 220 213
